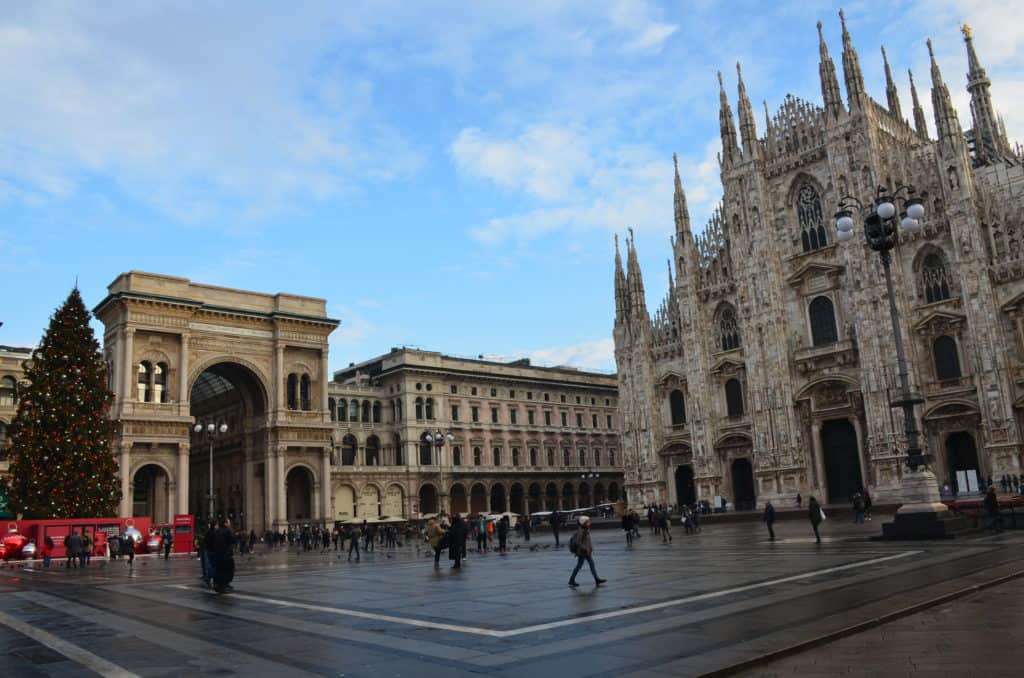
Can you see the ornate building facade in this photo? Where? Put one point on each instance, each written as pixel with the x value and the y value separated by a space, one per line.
pixel 11 374
pixel 769 368
pixel 522 438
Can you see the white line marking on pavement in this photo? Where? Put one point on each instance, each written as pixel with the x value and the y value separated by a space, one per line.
pixel 69 650
pixel 420 623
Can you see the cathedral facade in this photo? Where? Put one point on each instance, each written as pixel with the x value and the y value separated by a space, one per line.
pixel 769 369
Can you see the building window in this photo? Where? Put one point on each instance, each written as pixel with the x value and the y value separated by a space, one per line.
pixel 579 420
pixel 533 456
pixel 563 397
pixel 348 451
pixel 583 457
pixel 353 411
pixel 305 393
pixel 330 407
pixel 812 224
pixel 494 415
pixel 515 456
pixel 593 420
pixel 160 394
pixel 366 412
pixel 430 408
pixel 565 456
pixel 372 451
pixel 511 394
pixel 823 321
pixel 597 457
pixel 426 453
pixel 546 398
pixel 607 403
pixel 419 409
pixel 494 393
pixel 478 456
pixel 472 390
pixel 547 419
pixel 512 415
pixel 475 413
pixel 608 419
pixel 455 412
pixel 529 395
pixel 342 410
pixel 728 330
pixel 376 411
pixel 934 279
pixel 455 389
pixel 947 362
pixel 145 373
pixel 577 400
pixel 734 398
pixel 456 456
pixel 497 456
pixel 551 456
pixel 611 457
pixel 399 454
pixel 677 404
pixel 565 418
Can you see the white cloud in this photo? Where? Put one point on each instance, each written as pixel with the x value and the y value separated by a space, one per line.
pixel 598 354
pixel 634 18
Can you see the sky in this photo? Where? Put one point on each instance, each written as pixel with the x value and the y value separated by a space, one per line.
pixel 446 175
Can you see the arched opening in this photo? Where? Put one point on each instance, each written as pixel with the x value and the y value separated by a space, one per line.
pixel 369 502
pixel 331 407
pixel 516 495
pixel 428 499
pixel 345 503
pixel 842 461
pixel 962 457
pixel 145 374
pixel 160 394
pixel 394 501
pixel 376 412
pixel 599 494
pixel 305 393
pixel 299 494
pixel 498 499
pixel 353 410
pixel 399 451
pixel 229 394
pixel 151 494
pixel 366 412
pixel 551 497
pixel 293 391
pixel 677 405
pixel 743 495
pixel 426 451
pixel 535 500
pixel 478 499
pixel 342 410
pixel 686 491
pixel 372 451
pixel 613 491
pixel 568 496
pixel 348 450
pixel 584 495
pixel 458 499
pixel 822 315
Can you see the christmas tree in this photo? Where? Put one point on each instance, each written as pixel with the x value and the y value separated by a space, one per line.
pixel 61 465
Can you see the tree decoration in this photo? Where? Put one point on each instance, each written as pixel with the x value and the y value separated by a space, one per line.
pixel 61 463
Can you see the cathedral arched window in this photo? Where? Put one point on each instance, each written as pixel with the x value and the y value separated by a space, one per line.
pixel 823 321
pixel 947 362
pixel 677 405
pixel 305 393
pixel 734 398
pixel 934 279
pixel 728 329
pixel 812 222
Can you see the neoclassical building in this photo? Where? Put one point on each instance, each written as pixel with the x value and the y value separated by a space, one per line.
pixel 769 368
pixel 11 374
pixel 523 438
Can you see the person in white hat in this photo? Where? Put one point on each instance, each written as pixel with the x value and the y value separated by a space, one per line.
pixel 581 546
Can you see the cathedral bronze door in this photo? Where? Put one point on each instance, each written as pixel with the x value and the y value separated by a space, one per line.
pixel 743 495
pixel 686 492
pixel 842 461
pixel 962 457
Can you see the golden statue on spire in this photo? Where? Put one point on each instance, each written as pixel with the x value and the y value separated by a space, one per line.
pixel 966 30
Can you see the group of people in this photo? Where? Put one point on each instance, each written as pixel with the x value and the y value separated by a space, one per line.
pixel 216 555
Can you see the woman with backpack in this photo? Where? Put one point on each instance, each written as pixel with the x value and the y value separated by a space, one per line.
pixel 581 547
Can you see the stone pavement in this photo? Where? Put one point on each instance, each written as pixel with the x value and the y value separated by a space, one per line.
pixel 701 604
pixel 978 635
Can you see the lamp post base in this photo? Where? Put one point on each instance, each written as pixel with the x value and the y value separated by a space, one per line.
pixel 922 515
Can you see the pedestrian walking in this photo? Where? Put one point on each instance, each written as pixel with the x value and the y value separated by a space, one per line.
pixel 627 527
pixel 991 506
pixel 664 522
pixel 555 521
pixel 858 508
pixel 526 528
pixel 867 503
pixel 815 515
pixel 503 534
pixel 72 547
pixel 353 542
pixel 221 552
pixel 769 519
pixel 47 551
pixel 168 543
pixel 434 536
pixel 799 500
pixel 83 555
pixel 583 548
pixel 457 541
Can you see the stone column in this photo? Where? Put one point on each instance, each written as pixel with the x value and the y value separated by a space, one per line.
pixel 324 379
pixel 129 364
pixel 325 484
pixel 183 478
pixel 281 507
pixel 170 500
pixel 124 470
pixel 865 470
pixel 279 377
pixel 316 509
pixel 819 461
pixel 249 491
pixel 183 392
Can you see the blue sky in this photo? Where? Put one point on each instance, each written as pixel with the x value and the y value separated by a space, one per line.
pixel 446 175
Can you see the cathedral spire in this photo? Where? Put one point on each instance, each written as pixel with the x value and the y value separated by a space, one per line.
pixel 767 118
pixel 920 122
pixel 635 280
pixel 947 125
pixel 990 143
pixel 621 293
pixel 682 213
pixel 851 68
pixel 671 282
pixel 829 83
pixel 748 129
pixel 892 96
pixel 730 151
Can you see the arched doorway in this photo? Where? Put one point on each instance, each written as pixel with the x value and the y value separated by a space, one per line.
pixel 428 499
pixel 344 503
pixel 394 501
pixel 498 499
pixel 151 494
pixel 842 461
pixel 584 495
pixel 568 496
pixel 478 499
pixel 535 502
pixel 229 394
pixel 515 499
pixel 962 457
pixel 299 494
pixel 599 495
pixel 369 502
pixel 743 495
pixel 551 497
pixel 457 497
pixel 686 491
pixel 613 491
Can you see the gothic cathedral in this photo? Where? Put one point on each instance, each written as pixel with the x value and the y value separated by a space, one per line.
pixel 769 369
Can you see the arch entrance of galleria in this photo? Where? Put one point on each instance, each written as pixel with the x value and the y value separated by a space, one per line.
pixel 181 353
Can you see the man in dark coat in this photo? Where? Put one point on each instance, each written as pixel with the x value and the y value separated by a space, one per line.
pixel 73 546
pixel 769 519
pixel 221 555
pixel 991 505
pixel 555 520
pixel 814 515
pixel 503 534
pixel 457 541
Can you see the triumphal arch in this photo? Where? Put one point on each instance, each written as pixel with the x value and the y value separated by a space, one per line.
pixel 252 365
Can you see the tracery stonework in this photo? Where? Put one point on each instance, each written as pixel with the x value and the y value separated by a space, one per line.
pixel 815 410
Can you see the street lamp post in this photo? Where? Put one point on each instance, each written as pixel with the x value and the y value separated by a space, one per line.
pixel 210 430
pixel 922 514
pixel 438 440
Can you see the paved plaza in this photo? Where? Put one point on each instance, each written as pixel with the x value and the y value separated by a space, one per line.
pixel 705 603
